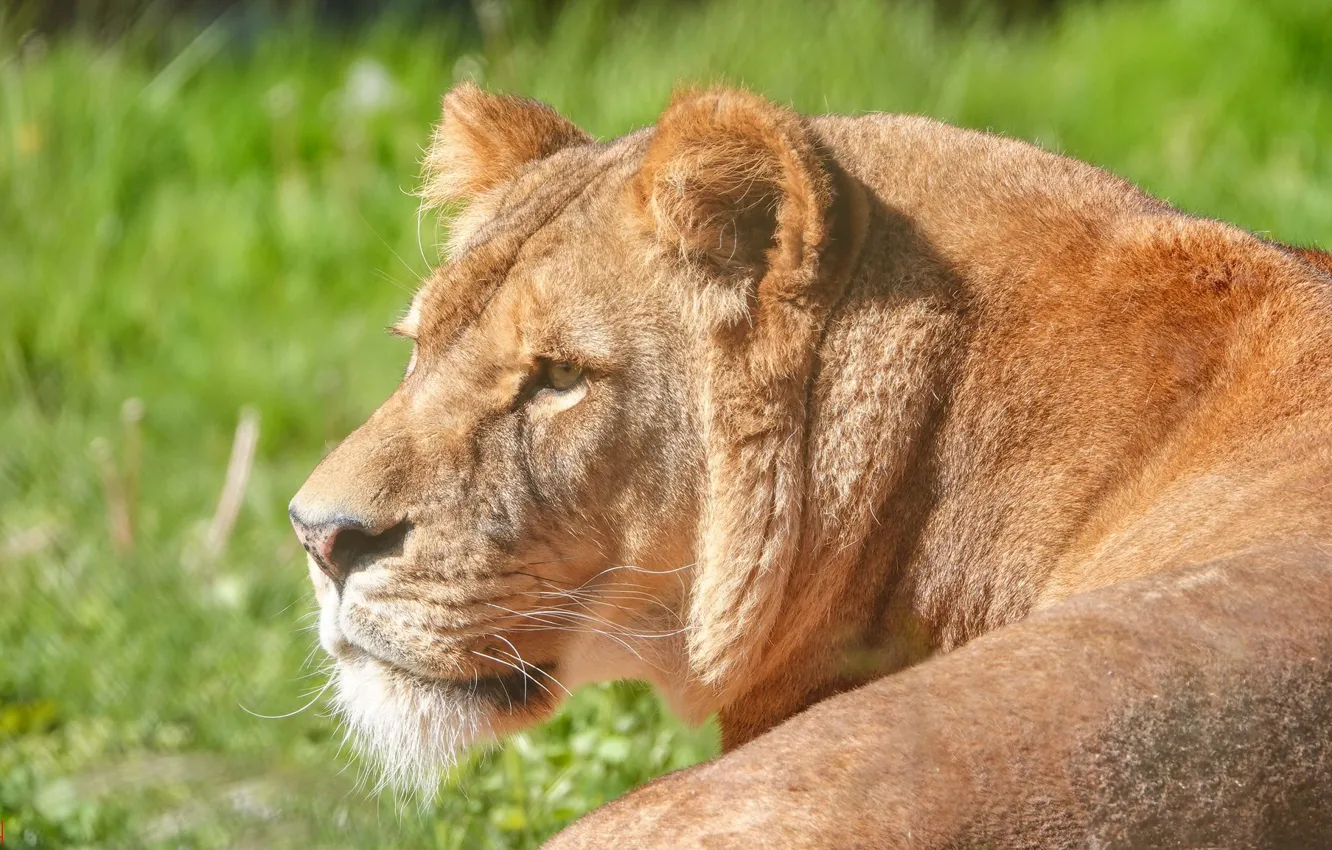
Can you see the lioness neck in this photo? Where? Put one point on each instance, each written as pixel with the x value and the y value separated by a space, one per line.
pixel 1039 381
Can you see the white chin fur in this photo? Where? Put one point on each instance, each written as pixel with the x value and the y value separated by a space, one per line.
pixel 410 731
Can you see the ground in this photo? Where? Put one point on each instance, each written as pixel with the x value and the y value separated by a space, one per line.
pixel 196 222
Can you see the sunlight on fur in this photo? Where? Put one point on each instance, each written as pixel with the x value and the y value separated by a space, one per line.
pixel 411 732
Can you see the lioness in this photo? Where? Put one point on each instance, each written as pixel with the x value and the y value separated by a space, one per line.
pixel 761 408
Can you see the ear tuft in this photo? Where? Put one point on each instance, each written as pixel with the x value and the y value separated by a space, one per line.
pixel 485 139
pixel 733 180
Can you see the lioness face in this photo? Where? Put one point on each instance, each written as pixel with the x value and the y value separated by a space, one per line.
pixel 592 467
pixel 516 518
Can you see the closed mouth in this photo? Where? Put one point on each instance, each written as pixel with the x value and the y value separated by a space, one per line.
pixel 535 685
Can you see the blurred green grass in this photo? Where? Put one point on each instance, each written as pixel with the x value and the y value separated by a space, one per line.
pixel 212 219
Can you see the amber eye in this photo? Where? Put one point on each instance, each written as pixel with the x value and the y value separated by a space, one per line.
pixel 562 375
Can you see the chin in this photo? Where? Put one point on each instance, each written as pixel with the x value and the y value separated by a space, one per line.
pixel 414 729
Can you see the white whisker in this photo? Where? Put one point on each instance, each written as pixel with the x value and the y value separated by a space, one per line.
pixel 520 660
pixel 312 701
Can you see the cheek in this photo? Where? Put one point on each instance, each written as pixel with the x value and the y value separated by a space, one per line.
pixel 574 440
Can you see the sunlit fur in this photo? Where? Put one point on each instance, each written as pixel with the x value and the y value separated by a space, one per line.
pixel 411 733
pixel 855 391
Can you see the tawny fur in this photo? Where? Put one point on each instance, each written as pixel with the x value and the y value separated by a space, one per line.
pixel 737 188
pixel 855 391
pixel 485 140
pixel 1187 709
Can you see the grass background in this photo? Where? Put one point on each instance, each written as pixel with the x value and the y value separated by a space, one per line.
pixel 209 218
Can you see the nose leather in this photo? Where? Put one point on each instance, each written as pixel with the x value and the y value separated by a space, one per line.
pixel 319 537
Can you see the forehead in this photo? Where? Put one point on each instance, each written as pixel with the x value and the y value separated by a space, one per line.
pixel 557 237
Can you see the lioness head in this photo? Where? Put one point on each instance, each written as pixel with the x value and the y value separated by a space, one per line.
pixel 593 466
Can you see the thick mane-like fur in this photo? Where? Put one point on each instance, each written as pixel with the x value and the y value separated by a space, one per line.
pixel 736 184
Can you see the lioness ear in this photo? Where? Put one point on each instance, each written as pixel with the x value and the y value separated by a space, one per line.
pixel 484 139
pixel 738 192
pixel 735 182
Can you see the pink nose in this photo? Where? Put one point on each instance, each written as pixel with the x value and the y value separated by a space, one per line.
pixel 342 544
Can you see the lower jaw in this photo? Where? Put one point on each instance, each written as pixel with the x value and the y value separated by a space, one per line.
pixel 518 694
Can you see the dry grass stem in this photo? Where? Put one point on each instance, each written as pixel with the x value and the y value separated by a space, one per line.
pixel 233 489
